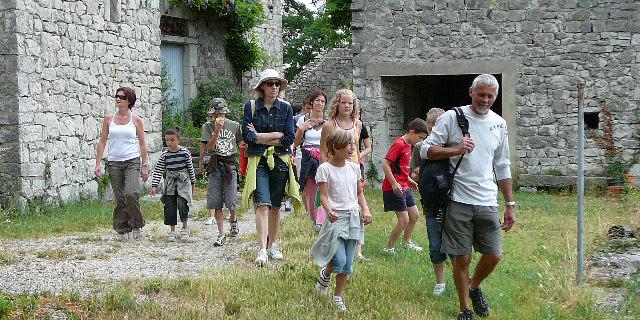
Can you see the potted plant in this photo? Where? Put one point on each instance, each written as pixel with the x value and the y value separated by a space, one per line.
pixel 615 170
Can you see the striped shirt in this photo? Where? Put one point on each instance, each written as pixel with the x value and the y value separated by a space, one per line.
pixel 173 161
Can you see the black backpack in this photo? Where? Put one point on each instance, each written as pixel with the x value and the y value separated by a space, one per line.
pixel 436 180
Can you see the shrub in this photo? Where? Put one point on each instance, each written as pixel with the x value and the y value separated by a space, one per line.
pixel 172 115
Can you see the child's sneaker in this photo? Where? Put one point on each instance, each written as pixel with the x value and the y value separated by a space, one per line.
pixel 340 303
pixel 438 289
pixel 362 258
pixel 263 258
pixel 275 253
pixel 390 251
pixel 222 238
pixel 287 206
pixel 137 234
pixel 209 221
pixel 171 237
pixel 185 233
pixel 316 227
pixel 234 229
pixel 413 246
pixel 322 284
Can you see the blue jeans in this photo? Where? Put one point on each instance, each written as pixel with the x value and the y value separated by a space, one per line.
pixel 434 232
pixel 343 259
pixel 270 183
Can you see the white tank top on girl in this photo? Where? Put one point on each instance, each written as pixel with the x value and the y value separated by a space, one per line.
pixel 123 141
pixel 311 136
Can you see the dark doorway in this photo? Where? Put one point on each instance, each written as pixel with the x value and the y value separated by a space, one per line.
pixel 422 93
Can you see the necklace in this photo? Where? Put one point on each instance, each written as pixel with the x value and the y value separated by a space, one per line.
pixel 122 116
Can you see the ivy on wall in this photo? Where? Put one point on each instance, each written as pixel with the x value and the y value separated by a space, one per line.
pixel 241 47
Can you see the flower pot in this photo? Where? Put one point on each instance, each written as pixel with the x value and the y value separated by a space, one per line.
pixel 614 182
pixel 629 178
pixel 614 191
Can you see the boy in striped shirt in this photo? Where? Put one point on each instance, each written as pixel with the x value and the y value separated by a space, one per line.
pixel 176 166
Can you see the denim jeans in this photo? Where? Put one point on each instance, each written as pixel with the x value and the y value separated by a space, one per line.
pixel 172 205
pixel 343 259
pixel 434 232
pixel 270 183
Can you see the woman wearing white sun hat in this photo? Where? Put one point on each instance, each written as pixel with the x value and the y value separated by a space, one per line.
pixel 267 128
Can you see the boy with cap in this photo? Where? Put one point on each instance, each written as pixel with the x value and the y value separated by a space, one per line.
pixel 221 138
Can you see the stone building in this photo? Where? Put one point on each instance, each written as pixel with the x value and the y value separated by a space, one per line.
pixel 411 55
pixel 61 62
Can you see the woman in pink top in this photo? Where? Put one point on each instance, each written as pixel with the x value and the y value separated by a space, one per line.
pixel 127 147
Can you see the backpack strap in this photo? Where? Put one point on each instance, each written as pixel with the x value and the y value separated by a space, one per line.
pixel 463 123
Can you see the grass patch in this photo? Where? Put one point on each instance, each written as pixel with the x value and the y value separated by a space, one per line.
pixel 55 254
pixel 6 258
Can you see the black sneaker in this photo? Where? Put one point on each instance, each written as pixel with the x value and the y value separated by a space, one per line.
pixel 479 303
pixel 465 315
pixel 234 229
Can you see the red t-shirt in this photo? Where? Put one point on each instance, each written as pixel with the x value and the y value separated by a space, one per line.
pixel 400 153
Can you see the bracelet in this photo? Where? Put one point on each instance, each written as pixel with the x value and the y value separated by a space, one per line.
pixel 510 203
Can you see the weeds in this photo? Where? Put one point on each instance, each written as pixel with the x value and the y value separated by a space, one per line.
pixel 55 254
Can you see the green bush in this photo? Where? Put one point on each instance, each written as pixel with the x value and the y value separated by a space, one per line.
pixel 217 87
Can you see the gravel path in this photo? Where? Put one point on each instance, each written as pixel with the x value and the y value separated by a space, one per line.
pixel 83 263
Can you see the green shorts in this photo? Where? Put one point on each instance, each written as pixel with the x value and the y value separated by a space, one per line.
pixel 468 225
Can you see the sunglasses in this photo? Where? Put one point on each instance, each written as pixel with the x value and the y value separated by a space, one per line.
pixel 122 97
pixel 272 83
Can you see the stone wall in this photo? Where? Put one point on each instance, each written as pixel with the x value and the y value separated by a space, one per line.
pixel 72 55
pixel 542 49
pixel 329 71
pixel 9 129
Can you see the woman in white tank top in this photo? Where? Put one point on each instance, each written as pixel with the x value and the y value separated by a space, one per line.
pixel 127 145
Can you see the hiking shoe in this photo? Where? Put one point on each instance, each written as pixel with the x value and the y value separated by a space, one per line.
pixel 287 206
pixel 171 237
pixel 263 258
pixel 413 246
pixel 275 253
pixel 322 284
pixel 122 237
pixel 222 238
pixel 465 315
pixel 209 221
pixel 185 233
pixel 438 289
pixel 137 234
pixel 340 303
pixel 234 229
pixel 478 301
pixel 390 251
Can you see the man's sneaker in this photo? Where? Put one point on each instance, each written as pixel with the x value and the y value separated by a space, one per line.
pixel 209 221
pixel 275 253
pixel 478 301
pixel 287 206
pixel 340 303
pixel 185 233
pixel 390 251
pixel 222 238
pixel 322 284
pixel 413 246
pixel 438 289
pixel 171 237
pixel 465 315
pixel 234 229
pixel 137 233
pixel 124 236
pixel 262 258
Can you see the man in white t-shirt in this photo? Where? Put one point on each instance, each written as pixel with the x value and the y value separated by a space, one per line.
pixel 472 221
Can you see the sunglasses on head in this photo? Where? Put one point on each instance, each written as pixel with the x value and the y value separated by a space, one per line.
pixel 272 83
pixel 122 97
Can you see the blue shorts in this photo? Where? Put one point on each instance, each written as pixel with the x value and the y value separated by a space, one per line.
pixel 270 183
pixel 394 203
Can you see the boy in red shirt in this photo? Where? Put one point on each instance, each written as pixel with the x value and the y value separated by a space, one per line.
pixel 396 187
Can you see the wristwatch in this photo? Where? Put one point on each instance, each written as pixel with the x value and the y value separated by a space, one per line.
pixel 510 203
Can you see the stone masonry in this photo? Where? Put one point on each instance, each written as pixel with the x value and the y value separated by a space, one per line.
pixel 542 50
pixel 329 71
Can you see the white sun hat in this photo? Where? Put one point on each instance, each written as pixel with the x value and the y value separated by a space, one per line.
pixel 271 74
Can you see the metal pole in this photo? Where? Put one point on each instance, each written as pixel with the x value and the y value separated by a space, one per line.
pixel 580 182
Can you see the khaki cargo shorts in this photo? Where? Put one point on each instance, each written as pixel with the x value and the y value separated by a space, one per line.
pixel 467 227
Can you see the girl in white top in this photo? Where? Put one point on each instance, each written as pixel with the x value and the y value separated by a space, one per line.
pixel 308 135
pixel 127 145
pixel 341 196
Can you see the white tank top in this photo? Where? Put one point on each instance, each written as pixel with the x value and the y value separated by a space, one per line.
pixel 123 141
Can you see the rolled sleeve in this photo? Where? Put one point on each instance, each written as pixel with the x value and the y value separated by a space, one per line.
pixel 501 161
pixel 247 135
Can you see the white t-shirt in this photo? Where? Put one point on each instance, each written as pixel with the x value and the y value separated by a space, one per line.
pixel 311 136
pixel 342 183
pixel 474 181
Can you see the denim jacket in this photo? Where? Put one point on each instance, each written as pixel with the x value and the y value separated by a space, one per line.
pixel 278 119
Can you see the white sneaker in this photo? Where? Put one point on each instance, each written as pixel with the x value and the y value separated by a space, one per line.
pixel 222 238
pixel 185 233
pixel 413 246
pixel 275 253
pixel 360 257
pixel 438 289
pixel 390 251
pixel 171 237
pixel 263 258
pixel 209 221
pixel 340 303
pixel 287 206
